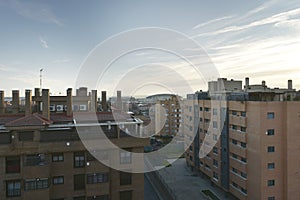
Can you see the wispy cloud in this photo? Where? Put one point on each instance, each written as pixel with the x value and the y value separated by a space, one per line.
pixel 275 19
pixel 36 11
pixel 61 61
pixel 44 43
pixel 212 21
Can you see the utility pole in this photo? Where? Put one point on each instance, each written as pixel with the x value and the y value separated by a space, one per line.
pixel 41 79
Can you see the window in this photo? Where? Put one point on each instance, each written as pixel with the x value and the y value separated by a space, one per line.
pixel 125 157
pixel 243 114
pixel 234 184
pixel 244 190
pixel 206 120
pixel 13 188
pixel 244 160
pixel 215 163
pixel 243 144
pixel 215 124
pixel 79 182
pixel 271 149
pixel 233 112
pixel 57 157
pixel 215 150
pixel 57 180
pixel 34 184
pixel 79 159
pixel 234 156
pixel 200 108
pixel 271 182
pixel 97 178
pixel 191 148
pixel 270 132
pixel 12 164
pixel 125 178
pixel 234 142
pixel 207 167
pixel 42 183
pixel 234 127
pixel 243 174
pixel 234 170
pixel 216 176
pixel 243 129
pixel 35 159
pixel 271 115
pixel 271 165
pixel 207 109
pixel 271 198
pixel 215 111
pixel 126 195
pixel 215 137
pixel 201 119
pixel 191 158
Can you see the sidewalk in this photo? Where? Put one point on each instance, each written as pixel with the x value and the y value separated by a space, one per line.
pixel 184 184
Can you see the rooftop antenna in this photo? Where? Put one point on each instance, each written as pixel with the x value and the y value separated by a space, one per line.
pixel 41 78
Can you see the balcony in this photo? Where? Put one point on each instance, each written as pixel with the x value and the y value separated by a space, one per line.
pixel 237 149
pixel 238 120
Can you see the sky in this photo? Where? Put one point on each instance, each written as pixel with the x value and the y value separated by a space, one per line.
pixel 256 39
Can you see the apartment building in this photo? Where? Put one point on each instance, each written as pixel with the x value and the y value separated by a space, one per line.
pixel 168 116
pixel 42 155
pixel 251 137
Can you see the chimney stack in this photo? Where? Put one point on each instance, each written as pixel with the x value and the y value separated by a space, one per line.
pixel 246 83
pixel 28 102
pixel 290 84
pixel 94 105
pixel 103 101
pixel 37 92
pixel 119 100
pixel 69 101
pixel 15 101
pixel 46 103
pixel 2 108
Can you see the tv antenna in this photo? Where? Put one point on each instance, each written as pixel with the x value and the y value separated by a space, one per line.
pixel 41 79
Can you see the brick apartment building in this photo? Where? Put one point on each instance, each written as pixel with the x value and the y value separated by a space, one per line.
pixel 42 156
pixel 168 116
pixel 256 156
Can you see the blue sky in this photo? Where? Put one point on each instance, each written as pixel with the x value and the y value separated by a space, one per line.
pixel 259 39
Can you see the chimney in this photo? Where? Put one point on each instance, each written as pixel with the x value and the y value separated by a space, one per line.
pixel 246 83
pixel 119 100
pixel 94 101
pixel 290 84
pixel 15 101
pixel 82 92
pixel 69 101
pixel 37 106
pixel 103 101
pixel 28 102
pixel 46 103
pixel 2 109
pixel 263 83
pixel 37 92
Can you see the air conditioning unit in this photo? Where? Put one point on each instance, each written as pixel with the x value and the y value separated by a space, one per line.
pixel 59 108
pixel 83 107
